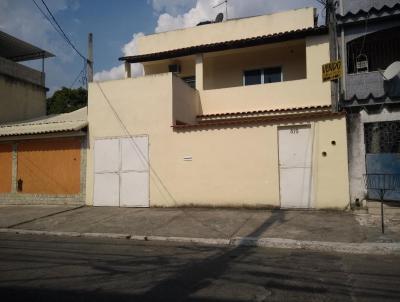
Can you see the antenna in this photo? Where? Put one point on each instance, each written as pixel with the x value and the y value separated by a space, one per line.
pixel 226 7
pixel 392 71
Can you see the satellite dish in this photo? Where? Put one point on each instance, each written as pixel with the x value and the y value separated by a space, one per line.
pixel 392 71
pixel 219 18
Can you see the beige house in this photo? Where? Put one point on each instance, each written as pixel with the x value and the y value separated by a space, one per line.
pixel 227 114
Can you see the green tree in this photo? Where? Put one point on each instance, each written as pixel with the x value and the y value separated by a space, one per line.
pixel 66 100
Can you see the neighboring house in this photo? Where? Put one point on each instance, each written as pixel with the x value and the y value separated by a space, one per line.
pixel 22 89
pixel 370 41
pixel 227 114
pixel 42 158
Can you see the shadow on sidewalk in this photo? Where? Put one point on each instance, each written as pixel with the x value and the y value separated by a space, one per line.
pixel 189 279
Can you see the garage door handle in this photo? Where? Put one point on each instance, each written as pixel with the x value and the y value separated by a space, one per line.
pixel 20 184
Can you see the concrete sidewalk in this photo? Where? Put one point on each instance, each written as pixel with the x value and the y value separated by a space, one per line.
pixel 210 225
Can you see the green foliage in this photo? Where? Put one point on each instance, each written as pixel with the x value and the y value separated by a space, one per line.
pixel 66 100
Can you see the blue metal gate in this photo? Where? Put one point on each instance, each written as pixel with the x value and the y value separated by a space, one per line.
pixel 382 145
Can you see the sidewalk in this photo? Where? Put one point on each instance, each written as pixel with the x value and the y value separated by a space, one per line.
pixel 238 226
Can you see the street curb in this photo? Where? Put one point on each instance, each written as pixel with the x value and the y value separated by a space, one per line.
pixel 370 248
pixel 34 232
pixel 106 235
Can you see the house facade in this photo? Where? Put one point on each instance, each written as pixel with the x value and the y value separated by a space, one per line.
pixel 22 89
pixel 227 114
pixel 42 158
pixel 369 43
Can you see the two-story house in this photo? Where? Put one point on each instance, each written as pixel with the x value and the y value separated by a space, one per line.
pixel 42 158
pixel 232 113
pixel 369 37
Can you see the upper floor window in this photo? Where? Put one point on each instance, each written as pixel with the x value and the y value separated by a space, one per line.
pixel 262 76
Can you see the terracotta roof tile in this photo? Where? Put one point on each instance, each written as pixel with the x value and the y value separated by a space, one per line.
pixel 294 109
pixel 260 120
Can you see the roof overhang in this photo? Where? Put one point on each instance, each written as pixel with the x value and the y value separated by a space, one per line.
pixel 289 115
pixel 17 50
pixel 371 102
pixel 228 45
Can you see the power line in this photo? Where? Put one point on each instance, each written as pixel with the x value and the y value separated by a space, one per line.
pixel 82 72
pixel 64 36
pixel 58 28
pixel 63 33
pixel 48 19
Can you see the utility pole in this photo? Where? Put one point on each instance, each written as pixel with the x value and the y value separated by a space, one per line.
pixel 90 59
pixel 331 22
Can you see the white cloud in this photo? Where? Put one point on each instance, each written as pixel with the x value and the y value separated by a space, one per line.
pixel 172 7
pixel 112 74
pixel 118 72
pixel 204 11
pixel 23 20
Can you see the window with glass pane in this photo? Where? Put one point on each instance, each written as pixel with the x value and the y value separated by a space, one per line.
pixel 272 75
pixel 252 77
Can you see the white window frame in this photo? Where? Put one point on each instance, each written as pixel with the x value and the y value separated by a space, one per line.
pixel 262 74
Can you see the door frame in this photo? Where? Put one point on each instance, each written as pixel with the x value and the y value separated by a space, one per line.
pixel 95 138
pixel 313 164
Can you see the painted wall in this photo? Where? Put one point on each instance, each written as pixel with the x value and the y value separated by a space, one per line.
pixel 225 69
pixel 234 166
pixel 186 102
pixel 188 66
pixel 226 31
pixel 21 92
pixel 22 100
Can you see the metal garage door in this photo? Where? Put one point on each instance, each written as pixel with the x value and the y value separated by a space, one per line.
pixel 121 172
pixel 295 154
pixel 382 146
pixel 5 167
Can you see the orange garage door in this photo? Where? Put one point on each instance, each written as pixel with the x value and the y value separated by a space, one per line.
pixel 50 166
pixel 5 168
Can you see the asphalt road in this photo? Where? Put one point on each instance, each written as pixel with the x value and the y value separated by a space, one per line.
pixel 41 268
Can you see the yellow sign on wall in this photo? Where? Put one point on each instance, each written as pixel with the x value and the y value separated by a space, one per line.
pixel 332 71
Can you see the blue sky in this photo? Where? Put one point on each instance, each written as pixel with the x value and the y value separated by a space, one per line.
pixel 113 24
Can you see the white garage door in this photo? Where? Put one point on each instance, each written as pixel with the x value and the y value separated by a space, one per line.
pixel 121 172
pixel 295 156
